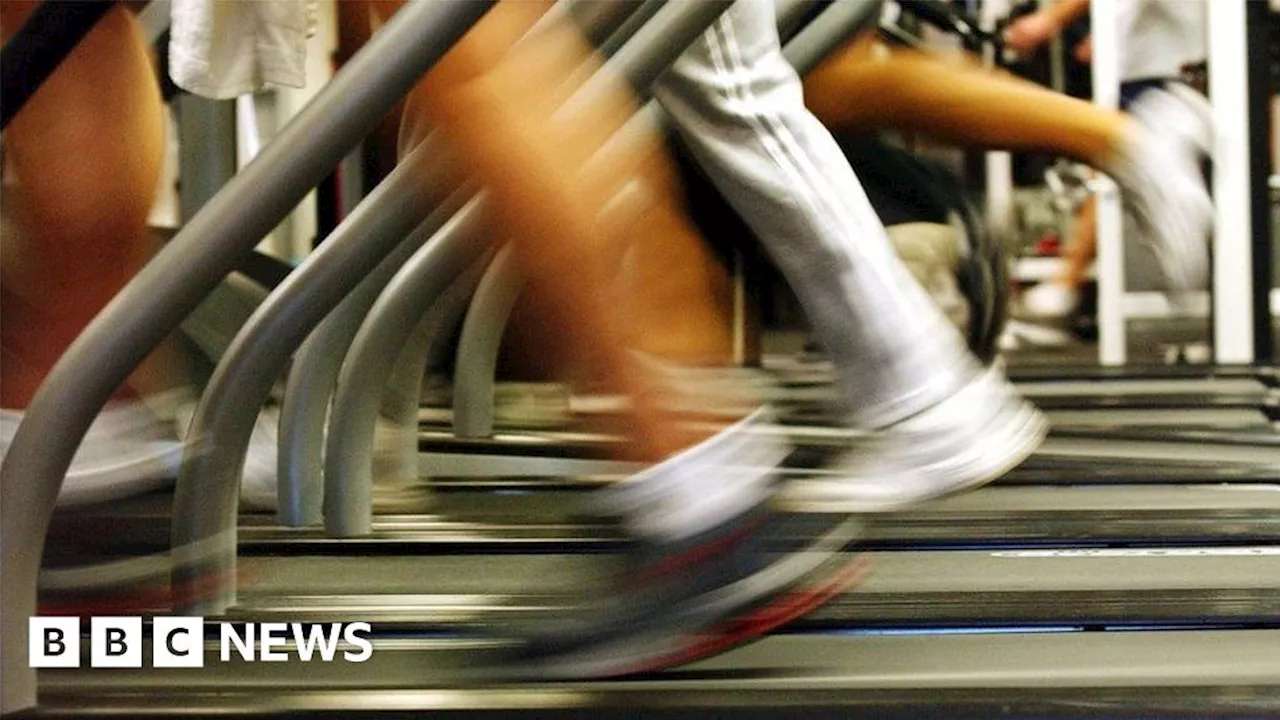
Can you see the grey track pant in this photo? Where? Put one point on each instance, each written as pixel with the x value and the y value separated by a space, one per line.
pixel 739 105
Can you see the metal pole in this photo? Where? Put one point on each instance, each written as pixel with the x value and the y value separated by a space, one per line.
pixel 1261 91
pixel 158 299
pixel 998 164
pixel 1233 309
pixel 207 160
pixel 316 365
pixel 1112 329
pixel 314 371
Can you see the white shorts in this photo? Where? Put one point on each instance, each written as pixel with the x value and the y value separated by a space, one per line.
pixel 221 49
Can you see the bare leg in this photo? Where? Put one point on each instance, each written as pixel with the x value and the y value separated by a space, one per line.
pixel 1079 253
pixel 578 190
pixel 86 152
pixel 1059 297
pixel 868 86
pixel 572 212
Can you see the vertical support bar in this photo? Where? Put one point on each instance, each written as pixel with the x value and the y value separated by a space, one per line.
pixel 315 367
pixel 397 457
pixel 1057 65
pixel 206 150
pixel 430 343
pixel 312 375
pixel 999 174
pixel 478 345
pixel 1112 329
pixel 740 320
pixel 1229 88
pixel 374 351
pixel 998 165
pixel 1261 91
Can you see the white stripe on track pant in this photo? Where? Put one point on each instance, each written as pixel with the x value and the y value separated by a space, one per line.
pixel 739 105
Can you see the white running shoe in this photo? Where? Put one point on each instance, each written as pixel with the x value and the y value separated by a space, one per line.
pixel 1050 300
pixel 1019 335
pixel 1163 187
pixel 967 441
pixel 1190 116
pixel 130 449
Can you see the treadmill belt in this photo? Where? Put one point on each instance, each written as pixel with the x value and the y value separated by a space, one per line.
pixel 1043 586
pixel 548 520
pixel 1139 386
pixel 1170 417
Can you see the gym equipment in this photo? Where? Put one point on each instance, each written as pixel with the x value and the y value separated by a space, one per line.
pixel 1031 617
pixel 170 287
pixel 1201 664
pixel 477 518
pixel 981 273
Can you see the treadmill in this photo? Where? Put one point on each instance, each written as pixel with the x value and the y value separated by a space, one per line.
pixel 1174 612
pixel 1001 639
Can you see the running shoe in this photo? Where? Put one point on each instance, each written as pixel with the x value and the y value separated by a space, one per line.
pixel 129 449
pixel 713 565
pixel 960 444
pixel 1163 186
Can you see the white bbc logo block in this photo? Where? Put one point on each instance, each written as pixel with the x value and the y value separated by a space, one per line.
pixel 177 642
pixel 54 642
pixel 115 642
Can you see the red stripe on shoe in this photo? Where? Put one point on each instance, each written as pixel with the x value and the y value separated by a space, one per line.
pixel 698 553
pixel 783 609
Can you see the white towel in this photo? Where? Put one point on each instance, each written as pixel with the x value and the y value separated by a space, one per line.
pixel 224 48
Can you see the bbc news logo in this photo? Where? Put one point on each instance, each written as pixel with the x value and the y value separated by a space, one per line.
pixel 179 642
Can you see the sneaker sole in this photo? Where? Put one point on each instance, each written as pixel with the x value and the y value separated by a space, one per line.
pixel 712 623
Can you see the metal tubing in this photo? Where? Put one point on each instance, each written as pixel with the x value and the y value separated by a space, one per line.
pixel 653 48
pixel 401 400
pixel 309 388
pixel 790 15
pixel 431 347
pixel 204 167
pixel 602 20
pixel 349 465
pixel 826 32
pixel 189 267
pixel 640 16
pixel 473 378
pixel 1112 323
pixel 349 456
pixel 1233 327
pixel 315 367
pixel 1261 91
pixel 315 370
pixel 207 494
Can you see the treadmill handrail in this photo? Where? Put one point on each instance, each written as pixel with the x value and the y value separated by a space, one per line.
pixel 165 291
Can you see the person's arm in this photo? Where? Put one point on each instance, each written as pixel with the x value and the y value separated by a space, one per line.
pixel 1032 31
